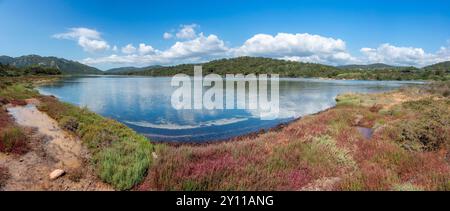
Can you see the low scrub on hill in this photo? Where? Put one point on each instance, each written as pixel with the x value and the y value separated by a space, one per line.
pixel 11 71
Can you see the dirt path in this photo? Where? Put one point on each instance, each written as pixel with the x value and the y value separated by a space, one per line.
pixel 51 148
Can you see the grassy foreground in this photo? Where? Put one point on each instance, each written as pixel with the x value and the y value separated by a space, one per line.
pixel 120 156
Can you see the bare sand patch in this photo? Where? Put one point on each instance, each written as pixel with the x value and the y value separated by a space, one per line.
pixel 51 148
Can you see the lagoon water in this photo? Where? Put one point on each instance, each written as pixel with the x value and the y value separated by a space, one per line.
pixel 144 104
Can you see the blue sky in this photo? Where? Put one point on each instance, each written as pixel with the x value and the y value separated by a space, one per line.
pixel 324 31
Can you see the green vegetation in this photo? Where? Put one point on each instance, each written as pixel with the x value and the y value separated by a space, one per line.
pixel 443 67
pixel 13 140
pixel 377 66
pixel 11 71
pixel 124 70
pixel 429 129
pixel 17 92
pixel 120 156
pixel 63 65
pixel 248 65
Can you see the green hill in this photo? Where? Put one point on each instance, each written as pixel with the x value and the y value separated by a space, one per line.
pixel 64 65
pixel 443 66
pixel 247 65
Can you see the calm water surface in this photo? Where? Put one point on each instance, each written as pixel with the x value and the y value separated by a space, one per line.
pixel 144 104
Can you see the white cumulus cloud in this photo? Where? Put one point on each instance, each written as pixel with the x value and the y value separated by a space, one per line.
pixel 198 49
pixel 187 31
pixel 128 49
pixel 167 35
pixel 201 46
pixel 89 39
pixel 145 49
pixel 408 56
pixel 297 47
pixel 302 47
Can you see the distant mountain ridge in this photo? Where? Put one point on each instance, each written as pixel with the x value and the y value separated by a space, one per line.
pixel 131 69
pixel 64 65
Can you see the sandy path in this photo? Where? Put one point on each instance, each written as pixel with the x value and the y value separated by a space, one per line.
pixel 62 146
pixel 52 148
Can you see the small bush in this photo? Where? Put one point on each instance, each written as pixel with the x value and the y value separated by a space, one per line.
pixel 430 130
pixel 124 164
pixel 76 175
pixel 324 157
pixel 69 123
pixel 13 140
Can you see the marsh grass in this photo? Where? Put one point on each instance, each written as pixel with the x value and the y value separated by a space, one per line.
pixel 17 92
pixel 13 140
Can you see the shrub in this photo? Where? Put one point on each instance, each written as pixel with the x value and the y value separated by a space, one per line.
pixel 125 163
pixel 321 154
pixel 13 140
pixel 430 130
pixel 75 175
pixel 69 123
